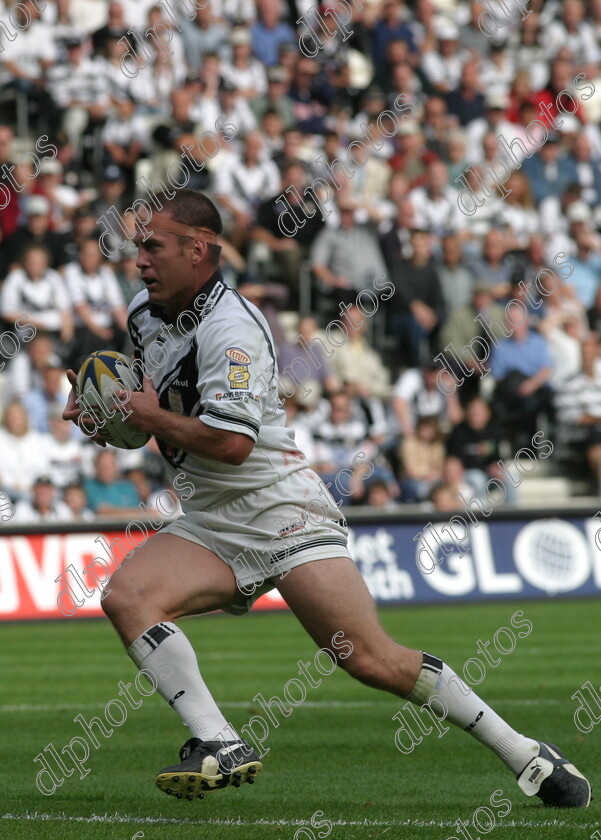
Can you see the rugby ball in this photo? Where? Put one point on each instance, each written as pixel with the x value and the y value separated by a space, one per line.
pixel 101 375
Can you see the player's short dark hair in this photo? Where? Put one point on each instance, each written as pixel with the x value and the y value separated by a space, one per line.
pixel 191 207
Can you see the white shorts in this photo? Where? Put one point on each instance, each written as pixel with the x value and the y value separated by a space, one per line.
pixel 265 533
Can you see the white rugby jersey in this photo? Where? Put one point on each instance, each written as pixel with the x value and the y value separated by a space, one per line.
pixel 218 363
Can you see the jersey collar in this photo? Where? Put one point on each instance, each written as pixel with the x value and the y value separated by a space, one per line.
pixel 202 301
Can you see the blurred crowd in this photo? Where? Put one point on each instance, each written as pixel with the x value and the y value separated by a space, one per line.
pixel 405 150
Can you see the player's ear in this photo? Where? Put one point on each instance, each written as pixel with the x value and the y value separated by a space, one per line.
pixel 199 252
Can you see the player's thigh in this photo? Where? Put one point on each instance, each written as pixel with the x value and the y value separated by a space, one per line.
pixel 330 595
pixel 174 576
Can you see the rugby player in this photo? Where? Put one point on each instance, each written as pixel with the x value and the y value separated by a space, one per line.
pixel 213 408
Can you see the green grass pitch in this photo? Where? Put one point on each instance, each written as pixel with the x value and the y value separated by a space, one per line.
pixel 335 753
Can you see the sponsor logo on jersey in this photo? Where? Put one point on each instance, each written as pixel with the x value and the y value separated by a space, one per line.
pixel 176 403
pixel 236 396
pixel 238 376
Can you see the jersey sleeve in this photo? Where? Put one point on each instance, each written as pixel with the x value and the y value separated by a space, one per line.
pixel 236 374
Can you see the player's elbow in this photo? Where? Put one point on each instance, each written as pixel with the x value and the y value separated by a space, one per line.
pixel 237 450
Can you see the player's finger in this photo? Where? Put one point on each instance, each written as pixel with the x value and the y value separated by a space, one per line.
pixel 72 377
pixel 147 384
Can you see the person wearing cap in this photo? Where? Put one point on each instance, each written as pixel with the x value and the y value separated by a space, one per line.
pixel 442 66
pixel 214 410
pixel 246 73
pixel 35 231
pixel 43 506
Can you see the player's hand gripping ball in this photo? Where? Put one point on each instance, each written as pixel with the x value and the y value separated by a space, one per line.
pixel 100 377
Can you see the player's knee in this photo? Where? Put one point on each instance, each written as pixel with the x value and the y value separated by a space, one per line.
pixel 365 667
pixel 121 597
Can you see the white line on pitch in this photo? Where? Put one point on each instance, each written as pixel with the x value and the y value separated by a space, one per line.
pixel 244 704
pixel 127 818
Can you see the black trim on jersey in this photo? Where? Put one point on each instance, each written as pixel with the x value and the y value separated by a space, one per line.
pixel 233 418
pixel 315 543
pixel 207 290
pixel 259 324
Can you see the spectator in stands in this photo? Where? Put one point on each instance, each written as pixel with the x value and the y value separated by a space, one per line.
pixel 481 319
pixel 347 258
pixel 356 363
pixel 585 165
pixel 36 294
pixel 549 171
pixel 204 34
pixel 466 101
pixel 472 37
pixel 35 231
pixel 584 281
pixel 242 183
pixel 436 125
pixel 50 396
pixel 276 97
pixel 492 267
pixel 108 492
pixel 417 306
pixel 574 32
pixel 24 453
pixel 521 367
pixel 246 73
pixel 444 497
pixel 269 32
pixel 282 236
pixel 26 370
pixel 379 495
pixel 74 496
pixel 422 458
pixel 65 450
pixel 442 66
pixel 493 121
pixel 100 312
pixel 124 135
pixel 81 93
pixel 392 26
pixel 44 505
pixel 518 212
pixel 412 156
pixel 341 447
pixel 435 203
pixel 308 361
pixel 115 27
pixel 578 404
pixel 128 274
pixel 28 57
pixel 416 394
pixel 310 97
pixel 396 242
pixel 456 279
pixel 475 443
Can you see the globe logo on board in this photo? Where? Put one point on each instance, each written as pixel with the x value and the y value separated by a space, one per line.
pixel 552 555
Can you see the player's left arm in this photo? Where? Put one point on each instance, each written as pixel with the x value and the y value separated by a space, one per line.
pixel 186 433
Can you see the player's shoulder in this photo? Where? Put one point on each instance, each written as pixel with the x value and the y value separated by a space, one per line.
pixel 139 304
pixel 234 320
